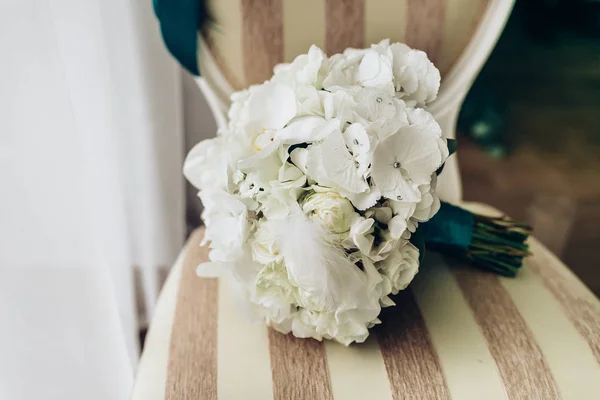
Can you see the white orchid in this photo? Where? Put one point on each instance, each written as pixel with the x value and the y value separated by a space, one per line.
pixel 313 189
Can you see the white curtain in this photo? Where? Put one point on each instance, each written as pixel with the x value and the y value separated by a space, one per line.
pixel 91 147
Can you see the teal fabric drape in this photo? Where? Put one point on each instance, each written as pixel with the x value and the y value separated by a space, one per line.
pixel 180 21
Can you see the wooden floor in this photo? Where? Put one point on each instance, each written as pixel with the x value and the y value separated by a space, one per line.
pixel 551 178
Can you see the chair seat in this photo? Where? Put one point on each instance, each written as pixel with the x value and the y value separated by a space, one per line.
pixel 457 332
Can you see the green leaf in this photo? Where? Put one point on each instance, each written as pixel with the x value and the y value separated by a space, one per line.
pixel 418 240
pixel 452 145
pixel 440 169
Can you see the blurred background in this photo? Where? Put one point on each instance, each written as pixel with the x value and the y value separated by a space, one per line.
pixel 529 130
pixel 96 118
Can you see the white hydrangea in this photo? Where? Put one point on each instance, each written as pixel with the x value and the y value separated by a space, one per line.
pixel 314 188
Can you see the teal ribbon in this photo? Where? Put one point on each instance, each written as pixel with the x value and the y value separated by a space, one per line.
pixel 180 21
pixel 450 229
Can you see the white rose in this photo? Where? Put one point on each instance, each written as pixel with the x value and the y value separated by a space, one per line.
pixel 401 266
pixel 265 247
pixel 331 210
pixel 349 323
pixel 275 293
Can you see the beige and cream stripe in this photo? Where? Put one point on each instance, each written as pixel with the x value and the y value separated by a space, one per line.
pixel 457 333
pixel 579 304
pixel 262 38
pixel 249 37
pixel 192 367
pixel 539 307
pixel 243 365
pixel 460 344
pixel 523 369
pixel 410 359
pixel 299 368
pixel 370 381
pixel 425 26
pixel 344 25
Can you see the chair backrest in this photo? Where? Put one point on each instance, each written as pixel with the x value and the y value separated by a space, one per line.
pixel 249 37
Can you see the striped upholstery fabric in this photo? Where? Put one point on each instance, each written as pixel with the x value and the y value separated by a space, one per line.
pixel 456 333
pixel 251 36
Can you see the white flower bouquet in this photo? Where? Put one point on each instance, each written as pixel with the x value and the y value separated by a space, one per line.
pixel 316 188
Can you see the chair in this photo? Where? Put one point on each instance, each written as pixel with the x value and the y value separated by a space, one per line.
pixel 457 333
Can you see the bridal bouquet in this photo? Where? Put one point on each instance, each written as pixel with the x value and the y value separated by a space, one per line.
pixel 314 192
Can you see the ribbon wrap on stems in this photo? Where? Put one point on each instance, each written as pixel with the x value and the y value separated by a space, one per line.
pixel 496 244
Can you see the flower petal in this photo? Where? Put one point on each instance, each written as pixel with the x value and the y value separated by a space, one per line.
pixel 366 199
pixel 271 106
pixel 339 165
pixel 307 130
pixel 356 139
